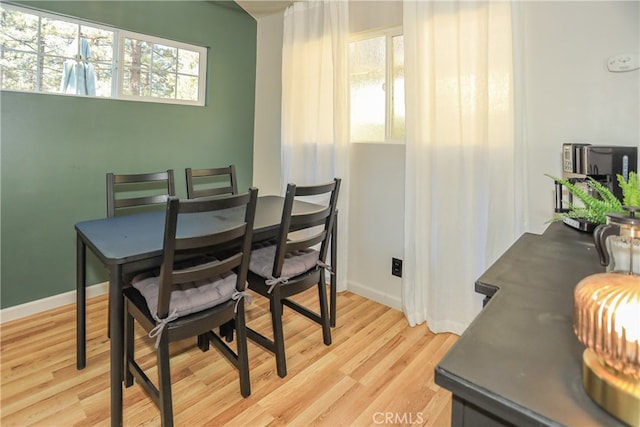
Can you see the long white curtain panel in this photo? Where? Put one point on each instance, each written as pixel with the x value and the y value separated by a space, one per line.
pixel 315 136
pixel 463 174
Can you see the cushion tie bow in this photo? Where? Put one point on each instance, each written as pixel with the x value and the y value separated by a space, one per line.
pixel 273 281
pixel 238 295
pixel 325 266
pixel 160 325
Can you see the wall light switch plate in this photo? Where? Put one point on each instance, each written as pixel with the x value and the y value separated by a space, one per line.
pixel 622 63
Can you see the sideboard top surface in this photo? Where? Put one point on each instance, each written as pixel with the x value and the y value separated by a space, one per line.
pixel 519 359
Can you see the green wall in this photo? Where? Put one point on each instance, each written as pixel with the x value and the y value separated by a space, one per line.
pixel 56 150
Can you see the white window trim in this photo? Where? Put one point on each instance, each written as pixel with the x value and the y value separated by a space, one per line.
pixel 118 55
pixel 389 33
pixel 121 35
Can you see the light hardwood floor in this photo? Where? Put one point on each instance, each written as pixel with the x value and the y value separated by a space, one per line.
pixel 378 371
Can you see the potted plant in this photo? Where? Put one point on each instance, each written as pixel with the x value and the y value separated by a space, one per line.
pixel 595 209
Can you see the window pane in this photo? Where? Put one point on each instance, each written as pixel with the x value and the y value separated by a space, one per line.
pixel 163 77
pixel 59 38
pixel 163 84
pixel 78 70
pixel 367 78
pixel 188 62
pixel 18 50
pixel 104 75
pixel 100 43
pixel 60 47
pixel 188 88
pixel 137 61
pixel 164 58
pixel 18 71
pixel 53 68
pixel 397 94
pixel 97 47
pixel 18 30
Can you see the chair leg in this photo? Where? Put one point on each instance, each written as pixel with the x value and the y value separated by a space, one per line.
pixel 226 330
pixel 324 311
pixel 243 354
pixel 128 345
pixel 203 342
pixel 164 382
pixel 278 333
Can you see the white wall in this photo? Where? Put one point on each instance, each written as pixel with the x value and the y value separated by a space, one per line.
pixel 569 96
pixel 266 139
pixel 376 225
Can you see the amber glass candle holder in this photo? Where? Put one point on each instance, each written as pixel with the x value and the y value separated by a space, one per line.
pixel 607 322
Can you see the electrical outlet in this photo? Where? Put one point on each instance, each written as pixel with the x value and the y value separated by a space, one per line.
pixel 396 267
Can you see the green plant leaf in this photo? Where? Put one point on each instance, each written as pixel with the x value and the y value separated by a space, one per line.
pixel 630 189
pixel 595 209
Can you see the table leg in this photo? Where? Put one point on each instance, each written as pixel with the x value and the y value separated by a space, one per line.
pixel 81 303
pixel 334 276
pixel 116 324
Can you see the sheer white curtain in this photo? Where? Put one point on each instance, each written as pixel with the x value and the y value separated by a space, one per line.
pixel 463 165
pixel 315 138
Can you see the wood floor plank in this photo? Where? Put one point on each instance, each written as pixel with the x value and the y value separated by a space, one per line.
pixel 316 412
pixel 376 367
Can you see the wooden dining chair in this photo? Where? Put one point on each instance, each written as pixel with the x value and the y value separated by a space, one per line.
pixel 211 182
pixel 293 263
pixel 129 193
pixel 190 299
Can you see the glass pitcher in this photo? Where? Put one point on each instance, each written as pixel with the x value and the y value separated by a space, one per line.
pixel 618 241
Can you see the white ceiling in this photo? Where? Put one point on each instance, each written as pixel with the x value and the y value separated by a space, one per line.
pixel 261 8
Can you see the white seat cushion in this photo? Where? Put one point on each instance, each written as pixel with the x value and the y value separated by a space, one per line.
pixel 189 297
pixel 295 263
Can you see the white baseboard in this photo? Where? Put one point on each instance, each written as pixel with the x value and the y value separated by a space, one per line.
pixel 375 295
pixel 55 301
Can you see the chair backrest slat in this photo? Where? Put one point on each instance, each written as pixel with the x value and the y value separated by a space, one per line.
pixel 204 272
pixel 307 219
pixel 187 243
pixel 125 191
pixel 211 182
pixel 299 244
pixel 140 201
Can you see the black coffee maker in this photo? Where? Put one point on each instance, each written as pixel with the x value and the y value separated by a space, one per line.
pixel 602 163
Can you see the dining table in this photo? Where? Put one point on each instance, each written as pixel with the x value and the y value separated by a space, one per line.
pixel 130 243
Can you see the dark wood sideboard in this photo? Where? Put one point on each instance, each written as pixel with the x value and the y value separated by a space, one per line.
pixel 519 362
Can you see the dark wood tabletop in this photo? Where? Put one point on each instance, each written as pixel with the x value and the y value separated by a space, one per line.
pixel 519 362
pixel 128 238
